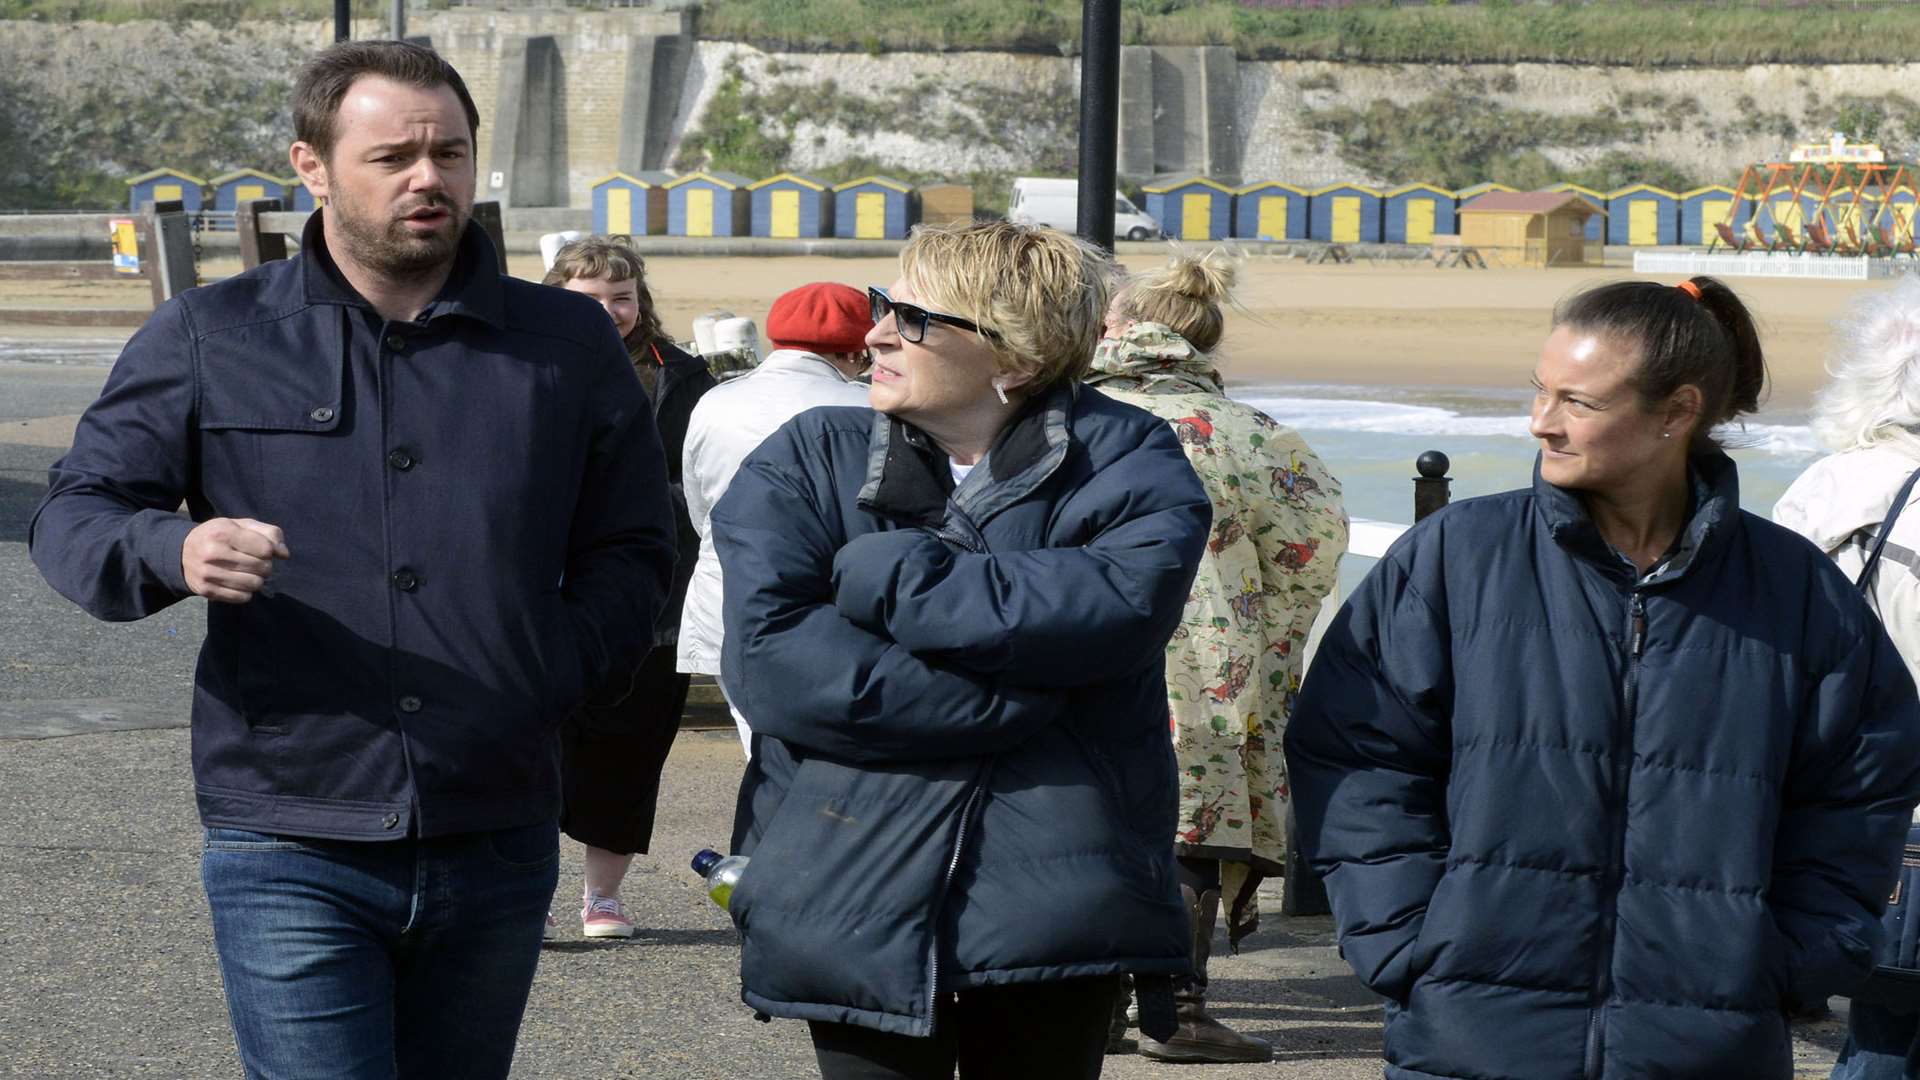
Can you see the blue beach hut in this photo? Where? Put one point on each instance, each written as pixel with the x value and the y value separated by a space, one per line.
pixel 239 186
pixel 875 208
pixel 1467 194
pixel 1415 212
pixel 1784 217
pixel 628 204
pixel 1346 214
pixel 161 185
pixel 710 203
pixel 1704 209
pixel 1192 208
pixel 1597 224
pixel 790 206
pixel 300 198
pixel 1642 215
pixel 1270 210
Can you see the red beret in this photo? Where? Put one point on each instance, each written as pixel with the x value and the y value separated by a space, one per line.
pixel 824 317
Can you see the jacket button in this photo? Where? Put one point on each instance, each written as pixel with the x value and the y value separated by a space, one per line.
pixel 409 704
pixel 406 581
pixel 401 460
pixel 395 342
pixel 390 821
pixel 320 415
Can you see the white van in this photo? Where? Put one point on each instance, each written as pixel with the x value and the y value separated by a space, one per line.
pixel 1041 200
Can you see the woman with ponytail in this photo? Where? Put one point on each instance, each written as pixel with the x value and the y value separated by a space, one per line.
pixel 1850 503
pixel 1606 776
pixel 1234 664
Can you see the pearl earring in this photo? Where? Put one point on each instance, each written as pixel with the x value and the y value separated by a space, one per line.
pixel 1000 390
pixel 1666 434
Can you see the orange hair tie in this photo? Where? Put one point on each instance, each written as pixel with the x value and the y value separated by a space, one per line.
pixel 1690 289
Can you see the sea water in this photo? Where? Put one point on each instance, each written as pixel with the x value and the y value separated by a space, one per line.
pixel 1369 436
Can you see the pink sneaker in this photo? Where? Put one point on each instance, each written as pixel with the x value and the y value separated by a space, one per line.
pixel 605 917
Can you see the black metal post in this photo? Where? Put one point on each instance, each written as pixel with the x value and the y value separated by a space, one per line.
pixel 342 19
pixel 1432 489
pixel 1099 117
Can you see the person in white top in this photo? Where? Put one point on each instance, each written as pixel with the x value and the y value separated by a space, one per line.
pixel 1869 415
pixel 819 336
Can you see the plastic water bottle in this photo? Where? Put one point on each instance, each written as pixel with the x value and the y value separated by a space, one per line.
pixel 722 873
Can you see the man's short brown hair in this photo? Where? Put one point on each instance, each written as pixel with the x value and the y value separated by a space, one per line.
pixel 325 79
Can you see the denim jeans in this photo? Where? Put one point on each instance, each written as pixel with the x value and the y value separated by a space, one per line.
pixel 1882 1044
pixel 355 961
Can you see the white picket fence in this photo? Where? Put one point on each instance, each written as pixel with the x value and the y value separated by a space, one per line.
pixel 1760 264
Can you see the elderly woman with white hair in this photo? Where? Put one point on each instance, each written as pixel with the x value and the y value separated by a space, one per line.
pixel 946 616
pixel 1855 503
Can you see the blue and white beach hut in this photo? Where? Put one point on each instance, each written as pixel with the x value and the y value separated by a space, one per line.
pixel 161 185
pixel 1346 214
pixel 790 206
pixel 708 203
pixel 1270 210
pixel 1191 207
pixel 1416 212
pixel 875 208
pixel 1704 209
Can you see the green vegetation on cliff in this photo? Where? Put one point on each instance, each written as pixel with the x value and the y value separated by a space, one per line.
pixel 1642 32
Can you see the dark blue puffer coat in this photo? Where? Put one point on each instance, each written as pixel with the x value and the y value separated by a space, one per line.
pixel 961 774
pixel 1576 823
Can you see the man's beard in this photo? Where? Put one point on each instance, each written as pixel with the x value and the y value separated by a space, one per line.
pixel 387 247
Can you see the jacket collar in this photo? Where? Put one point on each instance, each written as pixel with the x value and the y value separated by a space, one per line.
pixel 908 477
pixel 801 362
pixel 473 288
pixel 1151 358
pixel 1716 506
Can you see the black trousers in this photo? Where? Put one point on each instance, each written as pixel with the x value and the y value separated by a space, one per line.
pixel 1050 1030
pixel 611 758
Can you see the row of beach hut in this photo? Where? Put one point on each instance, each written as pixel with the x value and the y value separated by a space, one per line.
pixel 794 205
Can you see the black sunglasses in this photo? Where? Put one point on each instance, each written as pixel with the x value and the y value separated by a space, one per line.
pixel 911 319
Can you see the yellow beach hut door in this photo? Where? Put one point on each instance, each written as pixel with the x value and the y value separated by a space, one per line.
pixel 1273 217
pixel 1196 216
pixel 248 192
pixel 1346 219
pixel 786 214
pixel 870 215
pixel 167 191
pixel 1420 221
pixel 1643 223
pixel 699 211
pixel 1714 214
pixel 619 211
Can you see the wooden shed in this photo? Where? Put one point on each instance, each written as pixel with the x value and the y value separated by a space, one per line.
pixel 1643 216
pixel 712 203
pixel 1345 214
pixel 946 204
pixel 1597 224
pixel 1704 209
pixel 1536 228
pixel 161 185
pixel 875 208
pixel 630 204
pixel 1270 210
pixel 790 206
pixel 1191 207
pixel 1415 212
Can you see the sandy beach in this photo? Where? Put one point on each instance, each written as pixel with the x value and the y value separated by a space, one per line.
pixel 1402 325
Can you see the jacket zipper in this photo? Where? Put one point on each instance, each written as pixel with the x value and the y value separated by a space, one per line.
pixel 1617 869
pixel 946 886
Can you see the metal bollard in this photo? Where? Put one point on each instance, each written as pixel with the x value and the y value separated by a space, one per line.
pixel 487 216
pixel 1432 489
pixel 166 250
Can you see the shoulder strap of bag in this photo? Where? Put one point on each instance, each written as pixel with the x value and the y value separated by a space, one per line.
pixel 1865 581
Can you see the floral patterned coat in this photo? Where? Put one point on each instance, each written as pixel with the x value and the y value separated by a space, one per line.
pixel 1234 665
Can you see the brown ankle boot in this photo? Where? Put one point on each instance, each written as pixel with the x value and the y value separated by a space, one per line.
pixel 1201 1038
pixel 1117 1041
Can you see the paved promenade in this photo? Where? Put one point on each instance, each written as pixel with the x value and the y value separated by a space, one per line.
pixel 106 958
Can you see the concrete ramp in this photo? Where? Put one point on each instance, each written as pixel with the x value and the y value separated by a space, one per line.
pixel 530 146
pixel 656 71
pixel 1179 112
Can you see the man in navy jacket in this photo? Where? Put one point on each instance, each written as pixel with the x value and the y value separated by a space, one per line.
pixel 428 507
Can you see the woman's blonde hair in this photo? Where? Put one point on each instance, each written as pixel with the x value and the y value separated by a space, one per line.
pixel 1874 395
pixel 1042 292
pixel 1184 296
pixel 612 258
